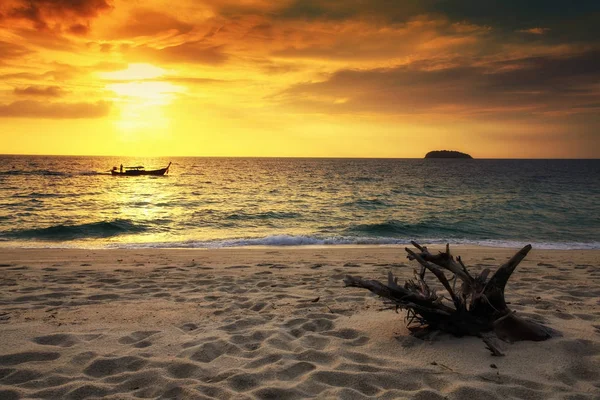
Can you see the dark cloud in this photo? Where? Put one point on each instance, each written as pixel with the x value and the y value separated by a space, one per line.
pixel 515 12
pixel 572 21
pixel 53 14
pixel 332 9
pixel 562 20
pixel 533 85
pixel 558 74
pixel 508 13
pixel 79 29
pixel 40 91
pixel 37 109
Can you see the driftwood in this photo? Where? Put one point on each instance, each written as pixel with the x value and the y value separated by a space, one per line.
pixel 475 306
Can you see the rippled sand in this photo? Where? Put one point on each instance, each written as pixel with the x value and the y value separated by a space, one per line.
pixel 277 323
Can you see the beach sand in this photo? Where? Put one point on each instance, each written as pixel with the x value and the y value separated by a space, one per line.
pixel 277 323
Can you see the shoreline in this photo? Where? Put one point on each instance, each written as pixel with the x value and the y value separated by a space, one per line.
pixel 15 254
pixel 168 246
pixel 277 322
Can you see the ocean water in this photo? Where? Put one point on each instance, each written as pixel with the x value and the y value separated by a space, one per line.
pixel 48 201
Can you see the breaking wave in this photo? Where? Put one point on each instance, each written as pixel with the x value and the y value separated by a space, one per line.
pixel 103 229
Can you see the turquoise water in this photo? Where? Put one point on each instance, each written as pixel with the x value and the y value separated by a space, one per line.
pixel 217 202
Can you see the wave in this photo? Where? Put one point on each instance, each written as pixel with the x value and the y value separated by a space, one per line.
pixel 45 172
pixel 273 240
pixel 93 173
pixel 366 203
pixel 242 216
pixel 309 240
pixel 395 227
pixel 429 228
pixel 42 172
pixel 36 195
pixel 367 179
pixel 299 241
pixel 93 230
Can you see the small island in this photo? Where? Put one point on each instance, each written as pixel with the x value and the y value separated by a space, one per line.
pixel 447 154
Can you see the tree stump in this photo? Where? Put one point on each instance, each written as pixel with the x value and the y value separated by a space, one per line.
pixel 475 305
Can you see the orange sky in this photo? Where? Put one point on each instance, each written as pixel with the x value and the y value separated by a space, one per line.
pixel 316 78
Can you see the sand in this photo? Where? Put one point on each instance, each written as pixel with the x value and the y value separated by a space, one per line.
pixel 277 323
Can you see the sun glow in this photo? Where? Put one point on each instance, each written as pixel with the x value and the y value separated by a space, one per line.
pixel 143 108
pixel 134 72
pixel 157 93
pixel 141 100
pixel 274 78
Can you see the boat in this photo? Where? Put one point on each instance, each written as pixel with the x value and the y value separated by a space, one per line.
pixel 138 171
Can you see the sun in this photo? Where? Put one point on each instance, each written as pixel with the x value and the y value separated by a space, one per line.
pixel 142 98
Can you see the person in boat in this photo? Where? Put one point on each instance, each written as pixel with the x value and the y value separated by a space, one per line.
pixel 121 168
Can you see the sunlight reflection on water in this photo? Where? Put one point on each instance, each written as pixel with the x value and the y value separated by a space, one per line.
pixel 305 201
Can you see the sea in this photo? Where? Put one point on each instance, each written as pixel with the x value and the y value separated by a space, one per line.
pixel 74 202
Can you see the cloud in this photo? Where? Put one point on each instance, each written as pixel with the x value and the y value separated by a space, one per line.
pixel 359 40
pixel 534 31
pixel 566 21
pixel 285 44
pixel 333 10
pixel 147 22
pixel 79 29
pixel 37 109
pixel 54 73
pixel 534 85
pixel 193 52
pixel 12 50
pixel 193 80
pixel 40 91
pixel 55 15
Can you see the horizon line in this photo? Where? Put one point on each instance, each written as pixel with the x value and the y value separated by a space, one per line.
pixel 295 157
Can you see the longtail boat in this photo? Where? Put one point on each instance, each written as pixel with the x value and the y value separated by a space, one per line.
pixel 139 170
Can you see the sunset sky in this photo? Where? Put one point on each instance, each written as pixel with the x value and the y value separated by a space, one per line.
pixel 315 78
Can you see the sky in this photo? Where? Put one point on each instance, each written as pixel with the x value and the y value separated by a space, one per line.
pixel 300 78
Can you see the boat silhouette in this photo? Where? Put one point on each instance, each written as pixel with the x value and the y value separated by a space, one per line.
pixel 138 171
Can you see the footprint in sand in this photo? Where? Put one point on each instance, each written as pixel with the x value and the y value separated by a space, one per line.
pixel 110 366
pixel 183 370
pixel 60 339
pixel 138 339
pixel 17 377
pixel 188 327
pixel 295 371
pixel 245 381
pixel 9 395
pixel 103 297
pixel 263 361
pixel 278 393
pixel 28 356
pixel 213 350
